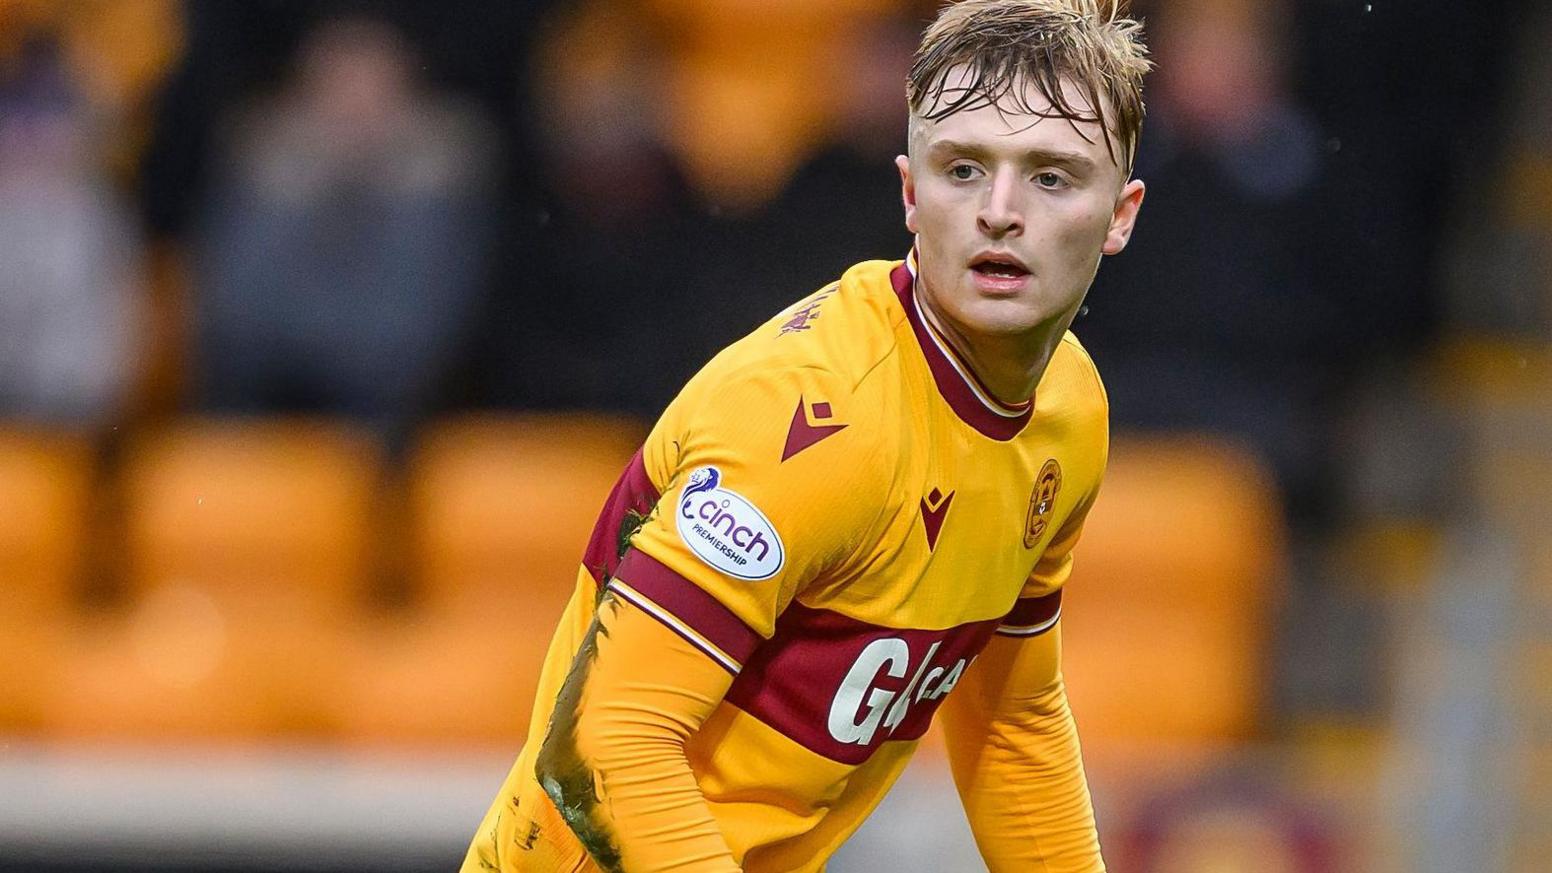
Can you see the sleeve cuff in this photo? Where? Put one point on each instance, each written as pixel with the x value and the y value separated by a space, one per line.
pixel 1032 616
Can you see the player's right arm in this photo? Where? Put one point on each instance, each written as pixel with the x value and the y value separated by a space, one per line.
pixel 742 525
pixel 613 761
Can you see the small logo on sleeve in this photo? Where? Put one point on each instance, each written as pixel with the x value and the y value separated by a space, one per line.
pixel 725 530
pixel 801 433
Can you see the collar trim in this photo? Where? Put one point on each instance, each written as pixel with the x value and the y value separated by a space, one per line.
pixel 955 381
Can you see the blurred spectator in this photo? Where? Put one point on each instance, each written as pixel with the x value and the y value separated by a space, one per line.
pixel 603 315
pixel 1234 309
pixel 478 49
pixel 1412 97
pixel 69 271
pixel 341 259
pixel 843 204
pixel 1501 282
pixel 629 235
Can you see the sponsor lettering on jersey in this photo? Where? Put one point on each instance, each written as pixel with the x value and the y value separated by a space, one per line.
pixel 841 687
pixel 861 706
pixel 725 530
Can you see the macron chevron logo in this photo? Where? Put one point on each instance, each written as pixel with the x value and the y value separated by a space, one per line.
pixel 934 508
pixel 802 434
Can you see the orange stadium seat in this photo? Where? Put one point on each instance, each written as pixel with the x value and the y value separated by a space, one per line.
pixel 1169 610
pixel 500 509
pixel 45 491
pixel 1501 394
pixel 45 506
pixel 246 549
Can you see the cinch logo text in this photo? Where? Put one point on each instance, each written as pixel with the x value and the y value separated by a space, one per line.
pixel 725 530
pixel 718 519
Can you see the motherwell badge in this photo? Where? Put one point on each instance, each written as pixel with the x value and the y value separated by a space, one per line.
pixel 1042 502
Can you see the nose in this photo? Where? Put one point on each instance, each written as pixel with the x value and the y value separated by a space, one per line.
pixel 1001 214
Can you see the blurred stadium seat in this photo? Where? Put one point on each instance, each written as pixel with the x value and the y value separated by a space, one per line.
pixel 45 496
pixel 499 509
pixel 45 504
pixel 246 549
pixel 1169 608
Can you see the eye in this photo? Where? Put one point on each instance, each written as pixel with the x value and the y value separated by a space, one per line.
pixel 962 172
pixel 1050 180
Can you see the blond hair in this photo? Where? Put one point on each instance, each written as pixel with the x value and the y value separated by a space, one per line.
pixel 1007 45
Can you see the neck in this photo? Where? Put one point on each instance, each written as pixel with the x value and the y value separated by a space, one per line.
pixel 1009 366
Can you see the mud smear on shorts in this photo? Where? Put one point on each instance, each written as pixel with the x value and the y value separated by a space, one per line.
pixel 565 777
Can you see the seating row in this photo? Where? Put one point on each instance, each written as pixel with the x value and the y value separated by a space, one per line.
pixel 248 555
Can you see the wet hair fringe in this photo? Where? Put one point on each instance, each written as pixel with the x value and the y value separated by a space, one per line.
pixel 1007 44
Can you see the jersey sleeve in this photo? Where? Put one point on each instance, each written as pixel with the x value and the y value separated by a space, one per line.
pixel 1013 749
pixel 1039 605
pixel 766 482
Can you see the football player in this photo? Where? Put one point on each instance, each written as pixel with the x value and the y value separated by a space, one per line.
pixel 862 514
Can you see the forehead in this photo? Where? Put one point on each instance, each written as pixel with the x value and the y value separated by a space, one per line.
pixel 1023 119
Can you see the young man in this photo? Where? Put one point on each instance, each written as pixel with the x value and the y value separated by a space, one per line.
pixel 863 512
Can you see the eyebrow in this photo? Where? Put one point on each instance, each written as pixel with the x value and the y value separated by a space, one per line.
pixel 1075 161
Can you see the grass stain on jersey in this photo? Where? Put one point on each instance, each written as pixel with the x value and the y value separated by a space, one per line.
pixel 569 781
pixel 630 523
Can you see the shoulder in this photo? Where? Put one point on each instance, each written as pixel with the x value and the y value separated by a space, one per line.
pixel 1075 380
pixel 1071 399
pixel 813 380
pixel 834 341
pixel 845 328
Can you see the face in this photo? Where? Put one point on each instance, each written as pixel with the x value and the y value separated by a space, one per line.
pixel 1012 213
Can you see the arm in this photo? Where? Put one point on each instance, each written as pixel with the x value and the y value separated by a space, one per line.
pixel 1014 751
pixel 613 760
pixel 680 616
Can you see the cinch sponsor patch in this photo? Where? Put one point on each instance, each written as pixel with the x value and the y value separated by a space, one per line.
pixel 725 530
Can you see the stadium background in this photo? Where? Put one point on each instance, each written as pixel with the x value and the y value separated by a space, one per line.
pixel 324 327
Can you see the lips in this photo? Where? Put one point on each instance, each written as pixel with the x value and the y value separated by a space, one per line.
pixel 999 265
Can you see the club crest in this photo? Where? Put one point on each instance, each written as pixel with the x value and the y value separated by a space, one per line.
pixel 1042 502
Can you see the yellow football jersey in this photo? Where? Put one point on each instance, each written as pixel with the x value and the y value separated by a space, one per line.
pixel 836 512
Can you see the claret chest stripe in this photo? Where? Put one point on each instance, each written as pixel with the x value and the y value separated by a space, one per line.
pixel 840 686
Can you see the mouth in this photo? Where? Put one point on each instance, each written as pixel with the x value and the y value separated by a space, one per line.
pixel 999 271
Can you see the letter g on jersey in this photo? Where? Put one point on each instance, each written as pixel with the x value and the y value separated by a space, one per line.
pixel 725 530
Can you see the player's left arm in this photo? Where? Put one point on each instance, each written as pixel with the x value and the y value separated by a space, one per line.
pixel 1014 751
pixel 1012 742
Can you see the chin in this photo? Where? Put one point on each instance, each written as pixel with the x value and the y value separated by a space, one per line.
pixel 1001 317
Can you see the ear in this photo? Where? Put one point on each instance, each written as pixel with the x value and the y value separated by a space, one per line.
pixel 907 192
pixel 1124 217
